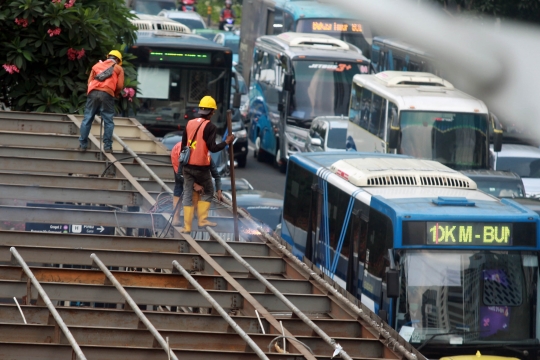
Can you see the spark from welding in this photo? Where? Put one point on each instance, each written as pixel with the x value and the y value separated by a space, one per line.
pixel 16 302
pixel 260 322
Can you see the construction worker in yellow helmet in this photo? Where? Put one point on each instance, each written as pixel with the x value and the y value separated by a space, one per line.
pixel 200 136
pixel 105 83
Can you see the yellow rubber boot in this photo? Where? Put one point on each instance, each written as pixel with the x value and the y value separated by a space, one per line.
pixel 188 219
pixel 202 213
pixel 176 209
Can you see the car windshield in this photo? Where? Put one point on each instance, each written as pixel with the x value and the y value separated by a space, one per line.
pixel 458 140
pixel 233 45
pixel 268 215
pixel 190 23
pixel 336 138
pixel 524 167
pixel 153 7
pixel 475 295
pixel 501 188
pixel 322 88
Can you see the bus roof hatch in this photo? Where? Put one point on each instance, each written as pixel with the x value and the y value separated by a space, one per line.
pixel 313 40
pixel 407 78
pixel 382 171
pixel 153 22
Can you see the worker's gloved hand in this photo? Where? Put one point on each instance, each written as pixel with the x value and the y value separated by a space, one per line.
pixel 219 195
pixel 229 139
pixel 198 188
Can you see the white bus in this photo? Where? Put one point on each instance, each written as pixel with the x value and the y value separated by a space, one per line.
pixel 421 115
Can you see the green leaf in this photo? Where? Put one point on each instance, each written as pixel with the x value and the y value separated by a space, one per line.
pixel 27 55
pixel 42 108
pixel 19 62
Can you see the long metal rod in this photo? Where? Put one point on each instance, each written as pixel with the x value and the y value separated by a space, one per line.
pixel 280 296
pixel 133 305
pixel 221 311
pixel 392 341
pixel 49 304
pixel 233 185
pixel 141 162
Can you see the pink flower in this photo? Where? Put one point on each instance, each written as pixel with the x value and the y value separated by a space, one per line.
pixel 73 54
pixel 69 4
pixel 129 93
pixel 54 32
pixel 10 68
pixel 21 22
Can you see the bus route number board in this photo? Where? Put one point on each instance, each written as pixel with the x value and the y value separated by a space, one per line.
pixel 471 234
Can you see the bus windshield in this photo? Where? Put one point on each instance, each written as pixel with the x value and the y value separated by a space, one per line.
pixel 171 84
pixel 322 88
pixel 346 30
pixel 458 140
pixel 472 295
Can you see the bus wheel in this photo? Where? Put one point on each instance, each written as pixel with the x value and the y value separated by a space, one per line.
pixel 280 163
pixel 260 153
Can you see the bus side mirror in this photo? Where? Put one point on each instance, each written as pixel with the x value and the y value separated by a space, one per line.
pixel 497 132
pixel 236 100
pixel 392 283
pixel 288 82
pixel 393 138
pixel 497 140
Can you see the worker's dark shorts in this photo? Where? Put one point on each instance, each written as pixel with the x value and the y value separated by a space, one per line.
pixel 178 184
pixel 201 177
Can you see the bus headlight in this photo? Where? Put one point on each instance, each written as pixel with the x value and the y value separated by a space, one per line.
pixel 241 134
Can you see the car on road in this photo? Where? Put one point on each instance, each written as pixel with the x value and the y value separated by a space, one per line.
pixel 230 40
pixel 150 7
pixel 327 133
pixel 189 18
pixel 524 160
pixel 497 183
pixel 240 184
pixel 264 206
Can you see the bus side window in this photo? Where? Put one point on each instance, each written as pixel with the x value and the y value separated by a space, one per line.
pixel 288 21
pixel 366 98
pixel 377 116
pixel 278 21
pixel 298 204
pixel 268 72
pixel 256 68
pixel 356 104
pixel 380 237
pixel 392 118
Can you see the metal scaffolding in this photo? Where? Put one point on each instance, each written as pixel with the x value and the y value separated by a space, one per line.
pixel 88 252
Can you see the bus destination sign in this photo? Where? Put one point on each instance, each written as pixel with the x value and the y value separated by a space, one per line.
pixel 468 233
pixel 324 26
pixel 181 57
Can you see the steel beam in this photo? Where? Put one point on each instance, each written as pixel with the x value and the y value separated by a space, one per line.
pixel 31 351
pixel 192 340
pixel 313 304
pixel 96 168
pixel 81 217
pixel 95 217
pixel 146 279
pixel 139 259
pixel 66 194
pixel 99 317
pixel 125 243
pixel 83 182
pixel 74 154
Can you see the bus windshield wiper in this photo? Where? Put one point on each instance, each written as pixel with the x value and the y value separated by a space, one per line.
pixel 456 330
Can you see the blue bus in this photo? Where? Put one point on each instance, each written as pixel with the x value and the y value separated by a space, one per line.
pixel 454 269
pixel 294 78
pixel 390 54
pixel 273 17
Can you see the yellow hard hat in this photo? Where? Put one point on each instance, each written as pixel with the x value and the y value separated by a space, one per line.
pixel 208 102
pixel 117 54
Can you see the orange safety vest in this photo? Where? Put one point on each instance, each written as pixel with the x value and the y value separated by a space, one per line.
pixel 175 156
pixel 109 83
pixel 200 155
